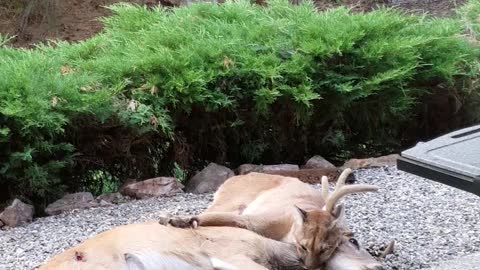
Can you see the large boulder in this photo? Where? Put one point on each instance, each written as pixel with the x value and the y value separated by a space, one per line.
pixel 17 214
pixel 318 162
pixel 354 164
pixel 209 179
pixel 155 187
pixel 80 200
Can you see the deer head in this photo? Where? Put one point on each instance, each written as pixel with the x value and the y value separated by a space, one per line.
pixel 349 255
pixel 322 236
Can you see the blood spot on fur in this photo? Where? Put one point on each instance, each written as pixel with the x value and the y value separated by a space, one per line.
pixel 80 256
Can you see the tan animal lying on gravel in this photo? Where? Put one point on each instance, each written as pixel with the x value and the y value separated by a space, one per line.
pixel 151 246
pixel 288 210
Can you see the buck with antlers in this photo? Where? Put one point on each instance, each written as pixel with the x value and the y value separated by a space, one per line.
pixel 288 210
pixel 310 228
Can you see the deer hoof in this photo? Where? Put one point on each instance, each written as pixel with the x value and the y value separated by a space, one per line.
pixel 184 222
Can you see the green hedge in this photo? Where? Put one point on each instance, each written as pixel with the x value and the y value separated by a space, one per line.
pixel 233 82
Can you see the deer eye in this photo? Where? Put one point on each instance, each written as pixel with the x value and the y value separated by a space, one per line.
pixel 354 242
pixel 303 247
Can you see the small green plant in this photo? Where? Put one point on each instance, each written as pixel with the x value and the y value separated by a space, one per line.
pixel 100 182
pixel 179 173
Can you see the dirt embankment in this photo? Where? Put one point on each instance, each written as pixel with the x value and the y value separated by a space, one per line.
pixel 34 21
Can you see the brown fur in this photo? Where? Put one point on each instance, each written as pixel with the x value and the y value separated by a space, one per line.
pixel 271 210
pixel 286 209
pixel 241 248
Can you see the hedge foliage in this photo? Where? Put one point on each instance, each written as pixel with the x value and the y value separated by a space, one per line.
pixel 233 82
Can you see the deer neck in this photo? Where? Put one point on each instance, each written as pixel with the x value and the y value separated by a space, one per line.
pixel 282 256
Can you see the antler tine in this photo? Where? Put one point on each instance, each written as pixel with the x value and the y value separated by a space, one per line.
pixel 343 178
pixel 341 190
pixel 325 186
pixel 340 182
pixel 338 194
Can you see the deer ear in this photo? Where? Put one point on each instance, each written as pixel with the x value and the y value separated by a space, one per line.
pixel 339 214
pixel 302 213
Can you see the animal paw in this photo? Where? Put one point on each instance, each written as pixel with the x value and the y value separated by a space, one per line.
pixel 180 222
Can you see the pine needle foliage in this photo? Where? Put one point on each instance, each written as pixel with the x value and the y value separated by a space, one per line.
pixel 232 82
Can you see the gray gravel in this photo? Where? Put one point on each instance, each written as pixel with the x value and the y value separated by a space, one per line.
pixel 469 262
pixel 430 222
pixel 29 246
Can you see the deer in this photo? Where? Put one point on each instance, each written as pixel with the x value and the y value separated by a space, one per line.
pixel 288 210
pixel 152 246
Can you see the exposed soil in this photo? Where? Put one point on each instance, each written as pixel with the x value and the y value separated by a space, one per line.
pixel 70 20
pixel 75 20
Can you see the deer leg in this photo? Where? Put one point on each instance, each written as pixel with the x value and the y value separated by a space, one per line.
pixel 274 226
pixel 208 220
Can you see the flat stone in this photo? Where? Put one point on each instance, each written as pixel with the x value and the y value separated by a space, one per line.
pixel 313 176
pixel 155 187
pixel 79 200
pixel 280 167
pixel 355 164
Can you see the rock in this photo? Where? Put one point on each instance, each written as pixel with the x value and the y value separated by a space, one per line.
pixel 354 164
pixel 155 187
pixel 280 167
pixel 314 176
pixel 113 198
pixel 104 203
pixel 209 179
pixel 17 214
pixel 247 168
pixel 318 162
pixel 271 169
pixel 80 200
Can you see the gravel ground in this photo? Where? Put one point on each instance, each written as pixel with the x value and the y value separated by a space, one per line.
pixel 430 222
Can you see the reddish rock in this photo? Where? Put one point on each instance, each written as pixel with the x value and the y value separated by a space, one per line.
pixel 354 164
pixel 155 187
pixel 314 176
pixel 17 214
pixel 280 167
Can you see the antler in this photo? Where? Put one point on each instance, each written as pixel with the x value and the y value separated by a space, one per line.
pixel 388 250
pixel 341 190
